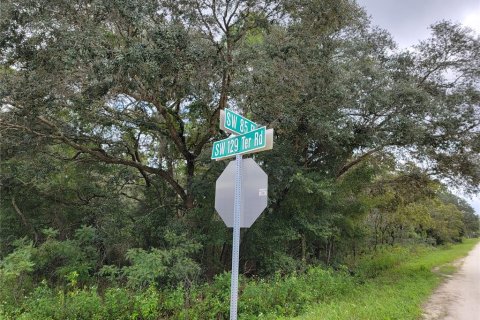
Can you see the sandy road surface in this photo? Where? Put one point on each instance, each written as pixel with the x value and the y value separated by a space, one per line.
pixel 459 297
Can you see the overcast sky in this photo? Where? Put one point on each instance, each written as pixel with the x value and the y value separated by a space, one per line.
pixel 408 22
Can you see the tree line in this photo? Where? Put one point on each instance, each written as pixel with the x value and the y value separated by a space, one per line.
pixel 109 110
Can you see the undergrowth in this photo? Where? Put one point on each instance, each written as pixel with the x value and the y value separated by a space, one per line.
pixel 390 283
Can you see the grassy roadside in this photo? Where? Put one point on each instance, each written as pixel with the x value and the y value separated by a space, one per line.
pixel 390 283
pixel 397 293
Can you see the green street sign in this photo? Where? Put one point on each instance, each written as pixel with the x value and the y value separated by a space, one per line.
pixel 254 141
pixel 235 123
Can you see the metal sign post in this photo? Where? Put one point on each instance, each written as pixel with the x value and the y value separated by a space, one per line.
pixel 236 236
pixel 250 187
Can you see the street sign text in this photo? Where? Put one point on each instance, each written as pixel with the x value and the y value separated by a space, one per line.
pixel 245 143
pixel 235 123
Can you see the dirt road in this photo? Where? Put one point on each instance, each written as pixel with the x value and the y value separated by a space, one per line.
pixel 459 297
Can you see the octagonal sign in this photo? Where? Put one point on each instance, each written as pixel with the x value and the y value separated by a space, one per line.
pixel 254 193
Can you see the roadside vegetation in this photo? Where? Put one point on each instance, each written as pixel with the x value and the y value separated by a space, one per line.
pixel 399 291
pixel 390 283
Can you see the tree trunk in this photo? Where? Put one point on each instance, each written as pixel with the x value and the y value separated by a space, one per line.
pixel 304 248
pixel 24 220
pixel 190 171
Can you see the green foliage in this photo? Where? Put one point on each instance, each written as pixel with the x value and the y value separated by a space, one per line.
pixel 110 272
pixel 117 304
pixel 211 301
pixel 387 277
pixel 61 259
pixel 46 303
pixel 146 266
pixel 447 223
pixel 471 224
pixel 398 293
pixel 146 304
pixel 386 258
pixel 15 270
pixel 278 296
pixel 18 262
pixel 471 221
pixel 291 295
pixel 163 267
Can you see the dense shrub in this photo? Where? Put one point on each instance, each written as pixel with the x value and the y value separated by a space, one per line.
pixel 265 298
pixel 15 268
pixel 373 264
pixel 58 259
pixel 260 298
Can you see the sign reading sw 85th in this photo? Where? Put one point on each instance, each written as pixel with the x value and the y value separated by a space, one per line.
pixel 257 140
pixel 235 123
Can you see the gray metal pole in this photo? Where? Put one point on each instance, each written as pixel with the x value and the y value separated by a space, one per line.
pixel 237 209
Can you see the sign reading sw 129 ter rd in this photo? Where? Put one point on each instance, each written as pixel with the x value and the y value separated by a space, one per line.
pixel 254 141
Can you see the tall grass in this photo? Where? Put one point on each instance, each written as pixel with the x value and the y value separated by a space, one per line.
pixel 398 291
pixel 391 283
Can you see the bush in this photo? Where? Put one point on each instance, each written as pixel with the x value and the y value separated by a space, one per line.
pixel 373 264
pixel 279 296
pixel 117 304
pixel 15 270
pixel 209 301
pixel 162 266
pixel 61 258
pixel 147 305
pixel 289 296
pixel 46 303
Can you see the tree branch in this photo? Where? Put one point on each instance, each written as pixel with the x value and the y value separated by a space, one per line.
pixel 356 161
pixel 102 155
